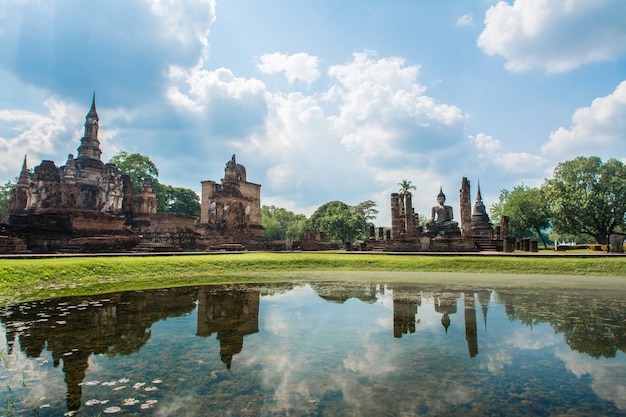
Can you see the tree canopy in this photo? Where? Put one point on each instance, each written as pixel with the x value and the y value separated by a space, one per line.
pixel 181 200
pixel 406 187
pixel 138 167
pixel 280 223
pixel 588 196
pixel 527 209
pixel 169 199
pixel 341 222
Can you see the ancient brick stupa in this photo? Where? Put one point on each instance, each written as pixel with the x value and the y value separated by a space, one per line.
pixel 83 205
pixel 482 228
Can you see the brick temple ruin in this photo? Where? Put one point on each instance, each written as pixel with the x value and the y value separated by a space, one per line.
pixel 441 233
pixel 87 205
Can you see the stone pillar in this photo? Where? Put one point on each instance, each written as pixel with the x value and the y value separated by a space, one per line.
pixel 508 244
pixel 504 226
pixel 526 245
pixel 380 233
pixel 409 218
pixel 372 233
pixel 497 233
pixel 533 246
pixel 396 218
pixel 388 234
pixel 616 241
pixel 466 209
pixel 348 246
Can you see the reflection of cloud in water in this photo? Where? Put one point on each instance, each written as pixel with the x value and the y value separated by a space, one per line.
pixel 371 360
pixel 174 407
pixel 497 360
pixel 23 372
pixel 415 400
pixel 609 377
pixel 539 337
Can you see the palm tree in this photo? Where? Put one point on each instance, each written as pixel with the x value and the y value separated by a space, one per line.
pixel 406 187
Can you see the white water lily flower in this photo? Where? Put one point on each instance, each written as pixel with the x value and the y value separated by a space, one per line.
pixel 130 401
pixel 112 410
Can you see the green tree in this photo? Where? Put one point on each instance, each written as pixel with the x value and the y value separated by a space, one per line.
pixel 5 196
pixel 169 199
pixel 367 209
pixel 7 189
pixel 281 224
pixel 588 197
pixel 182 200
pixel 138 167
pixel 527 209
pixel 339 221
pixel 406 187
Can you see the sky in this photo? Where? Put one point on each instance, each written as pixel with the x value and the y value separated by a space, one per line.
pixel 320 100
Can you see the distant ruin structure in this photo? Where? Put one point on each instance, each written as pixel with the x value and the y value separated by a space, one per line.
pixel 441 233
pixel 88 206
pixel 230 216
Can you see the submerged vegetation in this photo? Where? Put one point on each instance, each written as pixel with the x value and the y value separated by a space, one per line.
pixel 52 277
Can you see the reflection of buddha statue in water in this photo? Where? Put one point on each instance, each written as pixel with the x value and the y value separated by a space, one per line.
pixel 441 215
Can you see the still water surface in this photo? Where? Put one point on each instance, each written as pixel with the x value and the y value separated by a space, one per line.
pixel 316 350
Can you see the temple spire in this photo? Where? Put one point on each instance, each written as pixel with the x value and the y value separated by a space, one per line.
pixel 23 180
pixel 89 143
pixel 479 197
pixel 93 114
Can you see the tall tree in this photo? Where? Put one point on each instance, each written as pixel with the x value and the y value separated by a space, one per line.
pixel 339 221
pixel 280 223
pixel 5 196
pixel 588 196
pixel 169 199
pixel 527 209
pixel 182 200
pixel 138 167
pixel 406 187
pixel 367 209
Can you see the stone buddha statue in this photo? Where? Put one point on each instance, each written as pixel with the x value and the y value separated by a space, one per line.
pixel 441 214
pixel 441 219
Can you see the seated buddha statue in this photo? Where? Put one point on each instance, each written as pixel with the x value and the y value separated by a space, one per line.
pixel 441 220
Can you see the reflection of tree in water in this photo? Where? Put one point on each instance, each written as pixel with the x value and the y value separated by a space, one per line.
pixel 341 292
pixel 592 322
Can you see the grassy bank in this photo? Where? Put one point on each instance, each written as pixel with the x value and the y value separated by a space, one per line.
pixel 50 277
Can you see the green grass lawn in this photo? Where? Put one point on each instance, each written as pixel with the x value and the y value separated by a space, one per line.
pixel 22 279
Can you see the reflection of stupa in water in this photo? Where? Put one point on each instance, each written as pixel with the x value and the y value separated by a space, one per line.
pixel 232 314
pixel 470 324
pixel 404 312
pixel 446 305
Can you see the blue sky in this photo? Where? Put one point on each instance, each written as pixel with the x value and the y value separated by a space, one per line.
pixel 320 100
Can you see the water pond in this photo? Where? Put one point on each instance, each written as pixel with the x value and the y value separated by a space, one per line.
pixel 323 349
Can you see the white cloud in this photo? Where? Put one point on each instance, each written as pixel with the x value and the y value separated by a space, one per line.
pixel 555 35
pixel 299 66
pixel 465 20
pixel 597 129
pixel 205 86
pixel 383 111
pixel 36 135
pixel 491 150
pixel 186 21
